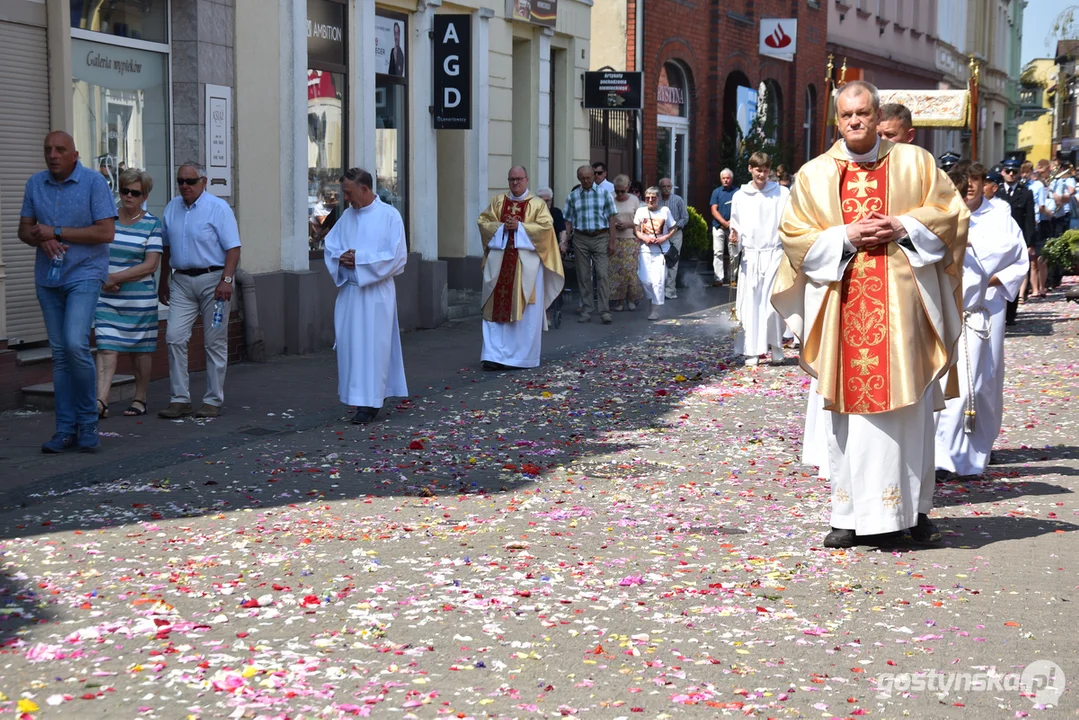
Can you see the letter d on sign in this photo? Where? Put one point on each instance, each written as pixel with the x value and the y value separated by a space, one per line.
pixel 452 70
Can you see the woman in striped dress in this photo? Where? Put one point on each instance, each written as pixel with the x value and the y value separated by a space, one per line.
pixel 126 320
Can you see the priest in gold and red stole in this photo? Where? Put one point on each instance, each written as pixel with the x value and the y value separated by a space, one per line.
pixel 874 237
pixel 522 275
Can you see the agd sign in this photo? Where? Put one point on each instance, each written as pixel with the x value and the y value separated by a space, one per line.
pixel 453 72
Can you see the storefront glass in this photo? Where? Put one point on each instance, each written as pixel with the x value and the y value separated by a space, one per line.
pixel 391 110
pixel 121 113
pixel 327 104
pixel 135 19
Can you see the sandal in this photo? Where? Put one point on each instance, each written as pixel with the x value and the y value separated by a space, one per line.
pixel 134 411
pixel 102 410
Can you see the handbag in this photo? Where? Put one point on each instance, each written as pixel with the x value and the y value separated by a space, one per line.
pixel 671 256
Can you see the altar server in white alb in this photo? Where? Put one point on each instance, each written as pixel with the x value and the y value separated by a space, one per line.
pixel 755 214
pixel 993 270
pixel 364 251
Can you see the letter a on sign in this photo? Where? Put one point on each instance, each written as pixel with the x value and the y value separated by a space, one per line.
pixel 451 32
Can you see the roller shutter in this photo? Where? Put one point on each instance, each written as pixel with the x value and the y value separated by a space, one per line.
pixel 24 121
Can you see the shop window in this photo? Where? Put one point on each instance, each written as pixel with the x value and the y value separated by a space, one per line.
pixel 135 19
pixel 327 66
pixel 391 110
pixel 121 112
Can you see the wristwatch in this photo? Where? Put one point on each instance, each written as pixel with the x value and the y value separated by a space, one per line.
pixel 227 279
pixel 57 232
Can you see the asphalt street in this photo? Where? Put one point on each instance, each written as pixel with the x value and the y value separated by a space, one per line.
pixel 624 532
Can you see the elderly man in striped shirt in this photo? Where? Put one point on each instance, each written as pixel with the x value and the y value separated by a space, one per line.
pixel 590 216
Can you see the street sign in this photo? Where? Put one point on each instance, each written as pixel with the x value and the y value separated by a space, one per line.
pixel 607 90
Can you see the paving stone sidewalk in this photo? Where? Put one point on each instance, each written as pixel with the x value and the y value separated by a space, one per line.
pixel 625 532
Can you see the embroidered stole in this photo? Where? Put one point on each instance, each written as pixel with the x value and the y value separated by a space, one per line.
pixel 507 290
pixel 863 317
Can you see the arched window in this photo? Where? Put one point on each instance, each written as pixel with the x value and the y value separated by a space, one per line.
pixel 672 126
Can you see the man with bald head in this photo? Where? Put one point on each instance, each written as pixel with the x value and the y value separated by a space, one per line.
pixel 522 275
pixel 69 215
pixel 874 237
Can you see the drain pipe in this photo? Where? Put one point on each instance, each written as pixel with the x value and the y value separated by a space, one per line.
pixel 256 348
pixel 638 61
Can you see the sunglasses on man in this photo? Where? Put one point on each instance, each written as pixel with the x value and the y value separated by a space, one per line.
pixel 188 181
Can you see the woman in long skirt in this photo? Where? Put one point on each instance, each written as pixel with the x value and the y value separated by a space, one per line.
pixel 626 289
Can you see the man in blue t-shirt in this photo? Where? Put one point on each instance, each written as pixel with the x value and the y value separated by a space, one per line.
pixel 69 215
pixel 721 227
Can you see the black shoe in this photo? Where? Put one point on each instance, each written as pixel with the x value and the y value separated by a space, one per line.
pixel 884 540
pixel 839 538
pixel 925 531
pixel 364 415
pixel 943 475
pixel 491 366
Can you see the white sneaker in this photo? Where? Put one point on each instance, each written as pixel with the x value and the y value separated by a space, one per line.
pixel 654 315
pixel 631 305
pixel 671 295
pixel 751 361
pixel 777 356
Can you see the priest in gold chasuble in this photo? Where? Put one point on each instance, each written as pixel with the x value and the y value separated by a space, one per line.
pixel 874 237
pixel 522 275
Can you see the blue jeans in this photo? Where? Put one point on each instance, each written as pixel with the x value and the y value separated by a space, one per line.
pixel 69 314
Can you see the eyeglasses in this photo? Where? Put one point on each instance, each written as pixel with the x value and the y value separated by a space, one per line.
pixel 188 181
pixel 1007 171
pixel 516 180
pixel 651 197
pixel 131 193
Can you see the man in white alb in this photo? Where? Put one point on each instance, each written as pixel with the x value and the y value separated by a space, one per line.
pixel 755 213
pixel 869 225
pixel 364 251
pixel 995 265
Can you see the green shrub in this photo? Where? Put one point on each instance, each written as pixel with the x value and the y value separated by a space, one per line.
pixel 696 237
pixel 1060 252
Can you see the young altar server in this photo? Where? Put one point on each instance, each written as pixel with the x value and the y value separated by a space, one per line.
pixel 755 214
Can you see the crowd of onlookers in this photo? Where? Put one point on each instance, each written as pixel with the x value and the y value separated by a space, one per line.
pixel 94 270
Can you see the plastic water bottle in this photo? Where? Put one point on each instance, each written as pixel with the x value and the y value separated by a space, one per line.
pixel 219 314
pixel 56 266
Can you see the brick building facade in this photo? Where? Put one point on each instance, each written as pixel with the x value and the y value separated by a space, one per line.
pixel 715 47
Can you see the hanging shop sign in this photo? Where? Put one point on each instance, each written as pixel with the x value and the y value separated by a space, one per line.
pixel 605 90
pixel 779 38
pixel 452 109
pixel 219 140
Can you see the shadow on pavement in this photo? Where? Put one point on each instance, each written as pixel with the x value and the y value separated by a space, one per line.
pixel 17 607
pixel 978 532
pixel 980 490
pixel 487 433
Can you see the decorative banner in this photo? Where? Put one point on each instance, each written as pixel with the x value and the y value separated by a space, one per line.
pixel 453 72
pixel 928 108
pixel 390 46
pixel 538 12
pixel 605 90
pixel 746 104
pixel 779 38
pixel 219 140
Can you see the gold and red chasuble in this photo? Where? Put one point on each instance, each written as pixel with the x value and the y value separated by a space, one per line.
pixel 508 275
pixel 863 316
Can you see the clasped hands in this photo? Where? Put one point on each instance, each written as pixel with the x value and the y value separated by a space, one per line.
pixel 874 229
pixel 43 237
pixel 348 259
